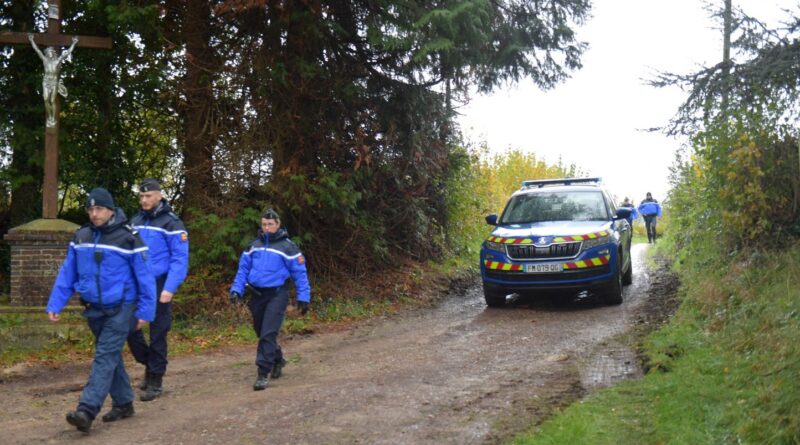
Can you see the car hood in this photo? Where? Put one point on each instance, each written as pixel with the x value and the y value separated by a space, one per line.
pixel 551 228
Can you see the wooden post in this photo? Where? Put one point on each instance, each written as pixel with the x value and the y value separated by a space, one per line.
pixel 50 185
pixel 50 181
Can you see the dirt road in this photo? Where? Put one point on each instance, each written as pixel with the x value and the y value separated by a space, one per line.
pixel 456 373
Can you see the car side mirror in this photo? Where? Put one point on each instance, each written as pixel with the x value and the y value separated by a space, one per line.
pixel 623 213
pixel 492 219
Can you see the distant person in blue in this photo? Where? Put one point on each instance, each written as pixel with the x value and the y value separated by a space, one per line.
pixel 263 269
pixel 165 235
pixel 650 210
pixel 107 266
pixel 634 213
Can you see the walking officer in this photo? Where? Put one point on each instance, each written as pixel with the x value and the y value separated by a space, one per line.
pixel 264 268
pixel 650 210
pixel 166 236
pixel 107 266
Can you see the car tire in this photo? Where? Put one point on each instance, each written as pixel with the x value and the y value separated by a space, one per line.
pixel 613 292
pixel 627 278
pixel 494 297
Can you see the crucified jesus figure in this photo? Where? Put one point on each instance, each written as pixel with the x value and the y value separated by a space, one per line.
pixel 51 84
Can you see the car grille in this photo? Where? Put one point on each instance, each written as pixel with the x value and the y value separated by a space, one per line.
pixel 533 277
pixel 532 252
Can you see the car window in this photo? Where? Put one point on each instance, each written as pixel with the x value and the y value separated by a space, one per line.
pixel 611 205
pixel 555 206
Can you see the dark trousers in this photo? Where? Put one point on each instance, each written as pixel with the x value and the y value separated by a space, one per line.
pixel 108 376
pixel 268 310
pixel 154 355
pixel 650 225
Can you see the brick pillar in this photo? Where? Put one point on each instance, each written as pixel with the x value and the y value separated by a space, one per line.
pixel 37 250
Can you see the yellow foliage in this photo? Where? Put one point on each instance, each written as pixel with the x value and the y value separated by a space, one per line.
pixel 746 198
pixel 487 185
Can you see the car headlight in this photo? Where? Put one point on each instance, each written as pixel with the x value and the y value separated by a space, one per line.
pixel 594 242
pixel 498 247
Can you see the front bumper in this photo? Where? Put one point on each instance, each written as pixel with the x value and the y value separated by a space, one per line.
pixel 500 272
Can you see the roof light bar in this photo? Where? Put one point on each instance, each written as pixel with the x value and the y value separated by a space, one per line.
pixel 562 181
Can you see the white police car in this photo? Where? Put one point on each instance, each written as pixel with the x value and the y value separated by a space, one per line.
pixel 558 234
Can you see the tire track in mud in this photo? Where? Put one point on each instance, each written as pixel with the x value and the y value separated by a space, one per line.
pixel 455 373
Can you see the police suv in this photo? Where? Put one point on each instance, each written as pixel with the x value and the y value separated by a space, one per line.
pixel 558 234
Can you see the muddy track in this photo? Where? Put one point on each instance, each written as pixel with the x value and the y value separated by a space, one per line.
pixel 455 373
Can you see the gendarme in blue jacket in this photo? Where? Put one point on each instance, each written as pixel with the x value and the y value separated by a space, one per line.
pixel 269 261
pixel 650 207
pixel 107 266
pixel 164 233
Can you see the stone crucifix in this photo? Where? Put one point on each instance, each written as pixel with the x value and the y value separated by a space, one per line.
pixel 51 88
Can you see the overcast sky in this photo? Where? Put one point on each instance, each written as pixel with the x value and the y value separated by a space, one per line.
pixel 594 119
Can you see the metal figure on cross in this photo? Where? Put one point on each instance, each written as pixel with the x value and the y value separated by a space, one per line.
pixel 51 84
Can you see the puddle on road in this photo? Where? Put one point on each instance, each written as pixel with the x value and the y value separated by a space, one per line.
pixel 609 364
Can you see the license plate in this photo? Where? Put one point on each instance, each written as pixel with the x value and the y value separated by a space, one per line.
pixel 543 268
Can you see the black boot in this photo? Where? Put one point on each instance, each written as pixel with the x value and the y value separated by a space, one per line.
pixel 118 412
pixel 261 382
pixel 80 420
pixel 277 369
pixel 153 389
pixel 146 380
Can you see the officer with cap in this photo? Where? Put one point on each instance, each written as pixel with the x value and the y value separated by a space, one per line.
pixel 264 268
pixel 166 236
pixel 107 265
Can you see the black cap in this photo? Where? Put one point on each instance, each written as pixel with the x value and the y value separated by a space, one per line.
pixel 100 197
pixel 270 214
pixel 149 185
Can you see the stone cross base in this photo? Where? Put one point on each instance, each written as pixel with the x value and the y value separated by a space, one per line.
pixel 37 250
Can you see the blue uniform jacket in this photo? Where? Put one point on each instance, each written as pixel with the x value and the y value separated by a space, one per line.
pixel 107 266
pixel 269 261
pixel 650 207
pixel 164 233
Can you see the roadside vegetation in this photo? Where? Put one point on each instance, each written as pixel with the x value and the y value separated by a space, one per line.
pixel 725 368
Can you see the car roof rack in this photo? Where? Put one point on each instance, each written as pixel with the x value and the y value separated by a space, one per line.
pixel 563 181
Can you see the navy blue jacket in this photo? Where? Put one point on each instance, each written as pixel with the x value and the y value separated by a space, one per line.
pixel 269 261
pixel 106 266
pixel 166 236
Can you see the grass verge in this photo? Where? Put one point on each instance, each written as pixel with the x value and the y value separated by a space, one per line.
pixel 724 370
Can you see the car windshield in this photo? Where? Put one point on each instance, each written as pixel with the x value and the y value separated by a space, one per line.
pixel 555 206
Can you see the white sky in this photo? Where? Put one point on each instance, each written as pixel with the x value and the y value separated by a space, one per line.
pixel 594 119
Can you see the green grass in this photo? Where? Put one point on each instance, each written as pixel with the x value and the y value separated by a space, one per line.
pixel 725 370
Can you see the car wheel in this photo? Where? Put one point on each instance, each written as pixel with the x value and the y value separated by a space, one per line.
pixel 494 297
pixel 627 278
pixel 613 293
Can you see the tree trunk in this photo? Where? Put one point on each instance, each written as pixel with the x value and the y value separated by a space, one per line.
pixel 201 189
pixel 727 30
